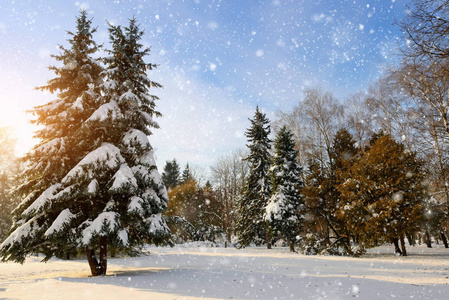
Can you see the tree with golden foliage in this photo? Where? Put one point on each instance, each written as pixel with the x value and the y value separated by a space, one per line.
pixel 382 194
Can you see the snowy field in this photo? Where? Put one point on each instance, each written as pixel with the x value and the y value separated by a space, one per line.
pixel 193 272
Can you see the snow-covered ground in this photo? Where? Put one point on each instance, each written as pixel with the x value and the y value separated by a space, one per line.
pixel 195 271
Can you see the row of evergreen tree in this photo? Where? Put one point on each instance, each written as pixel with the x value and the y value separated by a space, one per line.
pixel 271 201
pixel 360 198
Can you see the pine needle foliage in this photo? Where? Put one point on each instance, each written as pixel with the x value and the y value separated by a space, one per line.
pixel 251 226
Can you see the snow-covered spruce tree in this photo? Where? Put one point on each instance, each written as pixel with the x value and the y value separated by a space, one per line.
pixel 251 226
pixel 285 207
pixel 77 87
pixel 114 195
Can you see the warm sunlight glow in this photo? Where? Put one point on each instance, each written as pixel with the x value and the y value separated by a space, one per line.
pixel 11 115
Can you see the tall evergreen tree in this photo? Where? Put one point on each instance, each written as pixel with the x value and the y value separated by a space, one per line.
pixel 343 154
pixel 77 87
pixel 113 195
pixel 251 225
pixel 322 196
pixel 285 207
pixel 171 174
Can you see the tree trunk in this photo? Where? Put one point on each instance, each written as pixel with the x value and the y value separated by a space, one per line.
pixel 93 262
pixel 411 239
pixel 292 246
pixel 267 236
pixel 397 250
pixel 428 240
pixel 103 255
pixel 98 268
pixel 404 251
pixel 444 239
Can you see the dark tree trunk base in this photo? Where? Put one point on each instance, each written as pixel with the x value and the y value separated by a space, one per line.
pixel 291 246
pixel 444 239
pixel 103 255
pixel 428 240
pixel 267 236
pixel 397 250
pixel 404 251
pixel 98 268
pixel 411 239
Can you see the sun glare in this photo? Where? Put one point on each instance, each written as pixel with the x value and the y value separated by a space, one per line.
pixel 16 118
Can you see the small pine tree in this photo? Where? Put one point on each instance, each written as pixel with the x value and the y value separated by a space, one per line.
pixel 186 175
pixel 285 207
pixel 171 174
pixel 251 226
pixel 343 150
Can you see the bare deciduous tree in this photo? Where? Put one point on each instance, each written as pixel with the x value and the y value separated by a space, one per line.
pixel 426 30
pixel 314 122
pixel 389 108
pixel 229 174
pixel 359 119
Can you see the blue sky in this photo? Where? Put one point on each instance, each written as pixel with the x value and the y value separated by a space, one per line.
pixel 217 60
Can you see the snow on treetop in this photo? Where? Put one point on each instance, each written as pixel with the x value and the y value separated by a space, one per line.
pixel 44 198
pixel 64 217
pixel 49 147
pixel 21 232
pixel 131 99
pixel 93 186
pixel 123 236
pixel 50 106
pixel 148 159
pixel 135 205
pixel 102 113
pixel 110 84
pixel 78 104
pixel 105 220
pixel 124 177
pixel 149 119
pixel 157 225
pixel 150 193
pixel 273 208
pixel 135 135
pixel 107 154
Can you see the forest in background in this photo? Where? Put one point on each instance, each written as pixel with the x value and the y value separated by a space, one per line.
pixel 407 106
